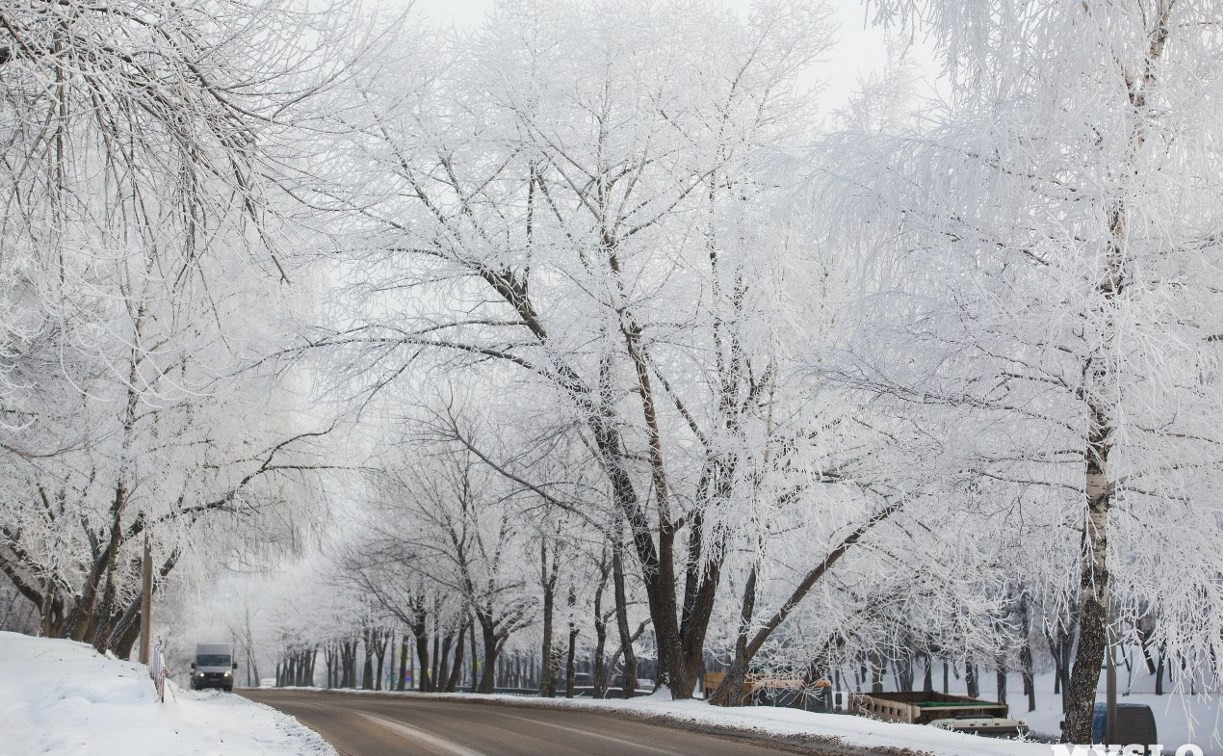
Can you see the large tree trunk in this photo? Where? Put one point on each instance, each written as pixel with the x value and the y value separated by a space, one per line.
pixel 1102 408
pixel 599 667
pixel 456 670
pixel 424 682
pixel 442 673
pixel 570 669
pixel 380 642
pixel 101 632
pixel 656 561
pixel 475 659
pixel 626 637
pixel 658 565
pixel 350 663
pixel 403 661
pixel 730 691
pixel 1025 653
pixel 434 671
pixel 1080 696
pixel 367 669
pixel 547 676
pixel 703 574
pixel 487 677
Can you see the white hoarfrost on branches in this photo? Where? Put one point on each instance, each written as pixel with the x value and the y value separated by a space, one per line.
pixel 578 193
pixel 647 370
pixel 148 149
pixel 1041 282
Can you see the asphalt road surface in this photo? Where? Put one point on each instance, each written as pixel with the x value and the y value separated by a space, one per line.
pixel 371 725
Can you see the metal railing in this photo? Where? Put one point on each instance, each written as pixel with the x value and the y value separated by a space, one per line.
pixel 157 670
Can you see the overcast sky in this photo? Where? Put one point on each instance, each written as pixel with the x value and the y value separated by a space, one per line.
pixel 859 50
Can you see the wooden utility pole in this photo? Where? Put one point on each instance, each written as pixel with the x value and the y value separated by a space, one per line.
pixel 146 602
pixel 1110 686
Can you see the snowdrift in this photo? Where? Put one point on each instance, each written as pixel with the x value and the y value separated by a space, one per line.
pixel 64 698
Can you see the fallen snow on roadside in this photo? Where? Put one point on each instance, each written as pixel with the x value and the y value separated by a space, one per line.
pixel 62 697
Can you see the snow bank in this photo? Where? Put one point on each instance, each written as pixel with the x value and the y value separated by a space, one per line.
pixel 64 698
pixel 858 731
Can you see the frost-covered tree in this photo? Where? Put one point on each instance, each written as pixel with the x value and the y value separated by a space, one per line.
pixel 578 199
pixel 146 153
pixel 141 137
pixel 1041 258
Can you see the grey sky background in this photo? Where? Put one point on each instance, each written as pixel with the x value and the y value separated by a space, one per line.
pixel 860 49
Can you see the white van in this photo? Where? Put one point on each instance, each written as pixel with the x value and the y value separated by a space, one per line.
pixel 213 667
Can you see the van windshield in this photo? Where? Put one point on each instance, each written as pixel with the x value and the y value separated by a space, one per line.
pixel 212 660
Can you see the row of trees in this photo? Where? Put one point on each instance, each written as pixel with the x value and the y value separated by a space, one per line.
pixel 641 358
pixel 338 624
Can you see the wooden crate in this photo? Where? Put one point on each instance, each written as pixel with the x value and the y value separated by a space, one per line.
pixel 922 708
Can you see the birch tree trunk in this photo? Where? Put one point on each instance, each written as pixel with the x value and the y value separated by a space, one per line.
pixel 1102 401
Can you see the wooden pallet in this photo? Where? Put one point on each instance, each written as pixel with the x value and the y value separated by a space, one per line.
pixel 920 707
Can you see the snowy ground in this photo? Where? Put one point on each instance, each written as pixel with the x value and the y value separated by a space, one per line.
pixel 1180 718
pixel 61 697
pixel 1174 714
